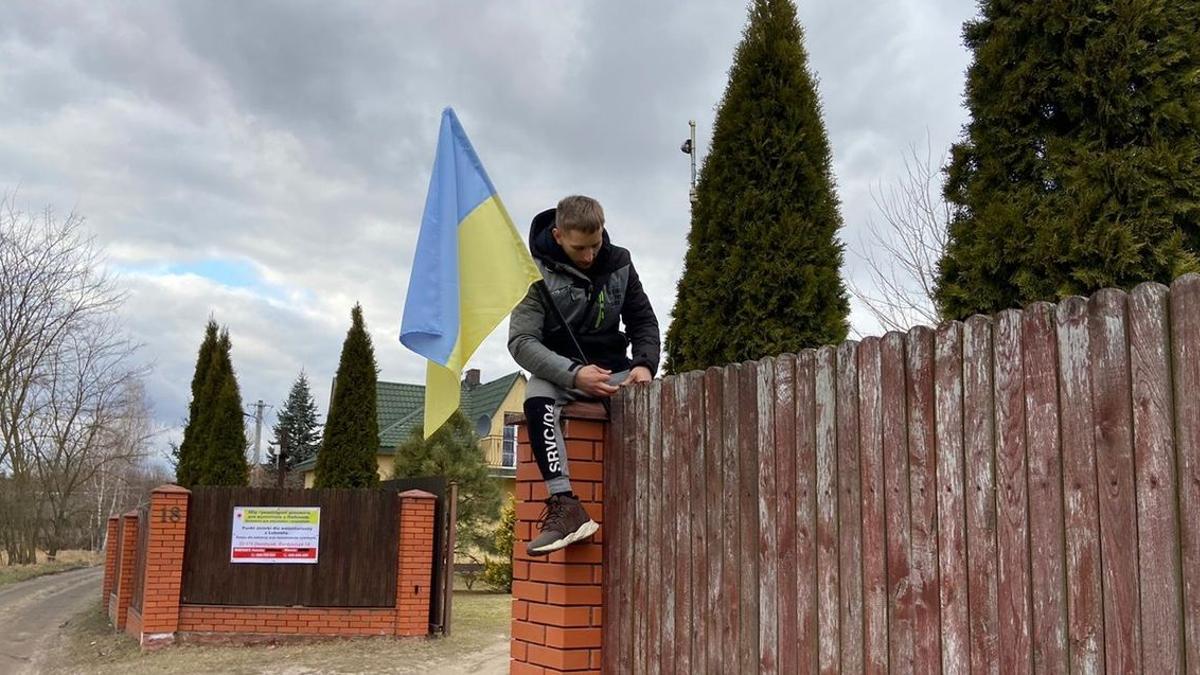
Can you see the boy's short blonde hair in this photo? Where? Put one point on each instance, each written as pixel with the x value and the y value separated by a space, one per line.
pixel 579 214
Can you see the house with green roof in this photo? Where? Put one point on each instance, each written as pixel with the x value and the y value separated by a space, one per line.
pixel 401 408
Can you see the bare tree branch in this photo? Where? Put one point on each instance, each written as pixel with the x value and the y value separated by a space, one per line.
pixel 65 369
pixel 902 250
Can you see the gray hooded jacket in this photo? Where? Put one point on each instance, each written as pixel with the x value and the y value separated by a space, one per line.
pixel 594 303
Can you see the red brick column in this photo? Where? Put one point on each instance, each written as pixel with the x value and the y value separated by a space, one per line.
pixel 414 572
pixel 164 564
pixel 557 599
pixel 111 547
pixel 127 549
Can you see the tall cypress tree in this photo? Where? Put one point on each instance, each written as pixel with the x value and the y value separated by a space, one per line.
pixel 194 441
pixel 298 420
pixel 226 461
pixel 761 275
pixel 224 458
pixel 347 454
pixel 1080 167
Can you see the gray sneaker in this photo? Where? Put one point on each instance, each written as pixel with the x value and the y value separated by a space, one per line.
pixel 564 522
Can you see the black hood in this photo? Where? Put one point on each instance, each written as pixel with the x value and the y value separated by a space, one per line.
pixel 544 248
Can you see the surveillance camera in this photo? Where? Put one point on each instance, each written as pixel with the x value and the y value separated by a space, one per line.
pixel 686 148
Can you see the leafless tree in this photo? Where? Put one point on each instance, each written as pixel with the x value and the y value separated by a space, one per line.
pixel 902 249
pixel 93 391
pixel 126 474
pixel 54 294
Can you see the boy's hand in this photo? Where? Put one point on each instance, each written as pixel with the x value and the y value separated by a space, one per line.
pixel 638 375
pixel 593 381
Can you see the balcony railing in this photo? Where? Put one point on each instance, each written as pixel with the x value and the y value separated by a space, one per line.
pixel 493 451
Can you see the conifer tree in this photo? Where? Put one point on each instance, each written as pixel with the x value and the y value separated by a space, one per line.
pixel 1080 167
pixel 347 454
pixel 194 441
pixel 225 463
pixel 297 420
pixel 761 275
pixel 453 451
pixel 224 459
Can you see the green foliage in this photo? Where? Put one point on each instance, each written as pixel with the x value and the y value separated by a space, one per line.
pixel 497 573
pixel 192 447
pixel 1080 167
pixel 297 420
pixel 213 451
pixel 761 275
pixel 453 451
pixel 225 462
pixel 347 455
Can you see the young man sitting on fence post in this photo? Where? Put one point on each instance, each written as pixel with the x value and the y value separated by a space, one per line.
pixel 567 334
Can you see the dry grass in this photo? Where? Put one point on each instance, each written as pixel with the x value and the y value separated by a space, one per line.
pixel 478 644
pixel 66 560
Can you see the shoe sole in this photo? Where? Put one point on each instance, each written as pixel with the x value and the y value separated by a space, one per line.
pixel 585 530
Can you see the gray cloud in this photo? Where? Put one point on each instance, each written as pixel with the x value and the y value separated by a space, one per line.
pixel 298 136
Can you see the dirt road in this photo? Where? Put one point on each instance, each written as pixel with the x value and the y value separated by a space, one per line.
pixel 31 613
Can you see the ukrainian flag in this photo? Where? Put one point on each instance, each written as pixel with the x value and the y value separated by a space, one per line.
pixel 471 269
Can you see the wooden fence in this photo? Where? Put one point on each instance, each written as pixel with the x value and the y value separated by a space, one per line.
pixel 356 566
pixel 1004 495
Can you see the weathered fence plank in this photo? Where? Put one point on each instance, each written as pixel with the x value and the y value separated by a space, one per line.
pixel 874 519
pixel 1112 406
pixel 896 503
pixel 616 513
pixel 694 453
pixel 951 522
pixel 828 612
pixel 748 514
pixel 1081 511
pixel 979 448
pixel 668 518
pixel 641 587
pixel 849 480
pixel 784 417
pixel 922 464
pixel 1046 529
pixel 806 512
pixel 1185 352
pixel 1154 455
pixel 731 524
pixel 714 519
pixel 768 518
pixel 1012 501
pixel 610 556
pixel 653 541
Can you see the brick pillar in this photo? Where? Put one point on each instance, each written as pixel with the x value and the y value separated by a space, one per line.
pixel 414 567
pixel 111 548
pixel 557 599
pixel 164 565
pixel 125 562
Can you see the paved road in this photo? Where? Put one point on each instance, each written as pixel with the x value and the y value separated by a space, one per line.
pixel 31 613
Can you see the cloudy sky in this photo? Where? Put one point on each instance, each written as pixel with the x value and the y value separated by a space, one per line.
pixel 266 162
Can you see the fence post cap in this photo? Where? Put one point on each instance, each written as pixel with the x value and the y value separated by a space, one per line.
pixel 417 494
pixel 115 516
pixel 131 514
pixel 585 410
pixel 170 488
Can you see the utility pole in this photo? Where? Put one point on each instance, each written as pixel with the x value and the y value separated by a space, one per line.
pixel 689 148
pixel 258 418
pixel 256 467
pixel 281 456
